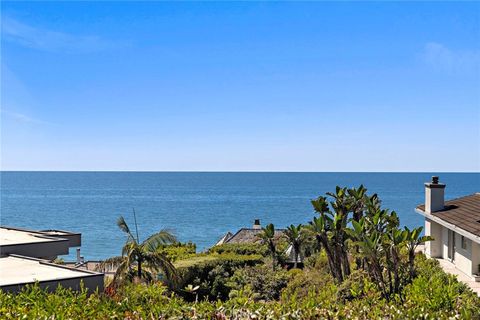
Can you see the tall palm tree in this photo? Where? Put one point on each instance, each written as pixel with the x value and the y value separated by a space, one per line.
pixel 268 236
pixel 293 234
pixel 139 260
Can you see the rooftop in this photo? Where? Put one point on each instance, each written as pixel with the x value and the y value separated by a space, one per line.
pixel 249 235
pixel 58 232
pixel 11 236
pixel 462 212
pixel 21 270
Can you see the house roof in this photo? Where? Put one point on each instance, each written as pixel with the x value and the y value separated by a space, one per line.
pixel 21 270
pixel 224 238
pixel 462 212
pixel 14 236
pixel 248 235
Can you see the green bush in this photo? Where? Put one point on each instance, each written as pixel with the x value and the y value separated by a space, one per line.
pixel 179 250
pixel 309 294
pixel 357 285
pixel 309 281
pixel 211 272
pixel 240 248
pixel 262 280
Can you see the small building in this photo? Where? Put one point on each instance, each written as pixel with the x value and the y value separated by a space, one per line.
pixel 47 244
pixel 17 271
pixel 26 255
pixel 250 235
pixel 247 235
pixel 455 227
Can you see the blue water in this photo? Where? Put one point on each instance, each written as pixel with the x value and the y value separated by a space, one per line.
pixel 199 207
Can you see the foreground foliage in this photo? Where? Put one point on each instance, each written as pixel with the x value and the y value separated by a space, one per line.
pixel 358 264
pixel 309 294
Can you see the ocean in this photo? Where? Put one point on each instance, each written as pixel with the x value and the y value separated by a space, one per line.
pixel 197 206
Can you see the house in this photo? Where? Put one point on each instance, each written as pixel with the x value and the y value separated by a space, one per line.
pixel 247 235
pixel 26 255
pixel 250 235
pixel 455 227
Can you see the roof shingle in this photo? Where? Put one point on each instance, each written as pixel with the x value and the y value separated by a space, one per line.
pixel 462 212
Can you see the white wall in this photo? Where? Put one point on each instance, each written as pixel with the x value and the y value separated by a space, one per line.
pixel 433 248
pixel 466 260
pixel 463 257
pixel 475 257
pixel 444 243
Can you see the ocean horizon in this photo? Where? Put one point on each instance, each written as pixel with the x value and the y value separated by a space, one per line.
pixel 197 206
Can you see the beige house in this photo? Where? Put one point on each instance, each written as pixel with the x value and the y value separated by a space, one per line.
pixel 455 227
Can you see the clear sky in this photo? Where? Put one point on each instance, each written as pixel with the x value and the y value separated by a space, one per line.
pixel 240 86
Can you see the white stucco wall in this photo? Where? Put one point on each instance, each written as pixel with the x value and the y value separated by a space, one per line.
pixel 433 248
pixel 463 257
pixel 475 257
pixel 444 243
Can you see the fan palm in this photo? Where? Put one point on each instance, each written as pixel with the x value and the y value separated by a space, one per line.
pixel 268 236
pixel 293 234
pixel 140 260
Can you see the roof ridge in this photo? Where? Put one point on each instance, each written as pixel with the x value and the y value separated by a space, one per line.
pixel 454 199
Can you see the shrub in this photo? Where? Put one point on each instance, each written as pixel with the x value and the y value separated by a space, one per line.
pixel 308 281
pixel 264 282
pixel 179 250
pixel 211 272
pixel 240 248
pixel 357 285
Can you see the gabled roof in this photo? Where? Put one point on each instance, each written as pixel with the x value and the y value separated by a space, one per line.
pixel 248 235
pixel 224 239
pixel 463 213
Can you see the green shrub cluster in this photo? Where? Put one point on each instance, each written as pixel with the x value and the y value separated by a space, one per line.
pixel 179 250
pixel 309 294
pixel 211 272
pixel 240 248
pixel 368 272
pixel 261 279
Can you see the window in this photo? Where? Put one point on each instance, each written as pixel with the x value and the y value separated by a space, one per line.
pixel 464 243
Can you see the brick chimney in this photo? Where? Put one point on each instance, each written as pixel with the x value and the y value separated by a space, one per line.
pixel 434 195
pixel 256 224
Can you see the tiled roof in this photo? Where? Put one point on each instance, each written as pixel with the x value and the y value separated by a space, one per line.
pixel 462 212
pixel 224 239
pixel 247 235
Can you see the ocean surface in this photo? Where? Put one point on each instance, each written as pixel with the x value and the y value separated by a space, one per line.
pixel 197 207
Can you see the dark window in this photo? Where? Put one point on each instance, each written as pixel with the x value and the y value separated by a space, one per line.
pixel 464 243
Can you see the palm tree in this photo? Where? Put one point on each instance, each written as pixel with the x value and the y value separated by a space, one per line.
pixel 293 234
pixel 268 236
pixel 139 260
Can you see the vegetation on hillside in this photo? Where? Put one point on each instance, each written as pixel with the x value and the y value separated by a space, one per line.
pixel 358 264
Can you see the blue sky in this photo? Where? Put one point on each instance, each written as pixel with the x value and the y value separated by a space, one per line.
pixel 240 86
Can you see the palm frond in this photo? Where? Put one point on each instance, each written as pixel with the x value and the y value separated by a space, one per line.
pixel 129 247
pixel 267 233
pixel 122 224
pixel 163 237
pixel 156 261
pixel 109 264
pixel 123 272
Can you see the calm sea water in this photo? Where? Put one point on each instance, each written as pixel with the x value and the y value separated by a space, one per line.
pixel 198 207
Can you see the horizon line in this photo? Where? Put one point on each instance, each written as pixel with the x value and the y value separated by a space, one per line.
pixel 230 171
